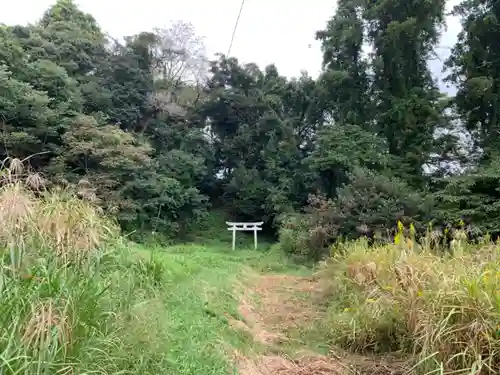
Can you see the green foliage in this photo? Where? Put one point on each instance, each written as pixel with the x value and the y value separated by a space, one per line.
pixel 472 197
pixel 341 149
pixel 303 237
pixel 378 202
pixel 152 134
pixel 26 116
pixel 473 68
pixel 155 133
pixel 121 309
pixel 63 92
pixel 113 167
pixel 370 202
pixel 344 85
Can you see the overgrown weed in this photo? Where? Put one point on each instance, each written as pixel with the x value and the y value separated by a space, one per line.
pixel 35 219
pixel 443 310
pixel 71 298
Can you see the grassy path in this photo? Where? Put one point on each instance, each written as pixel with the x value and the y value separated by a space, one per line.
pixel 253 313
pixel 200 317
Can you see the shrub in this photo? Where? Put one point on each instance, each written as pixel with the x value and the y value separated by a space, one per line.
pixel 443 309
pixel 376 201
pixel 293 236
pixel 370 201
pixel 472 197
pixel 306 236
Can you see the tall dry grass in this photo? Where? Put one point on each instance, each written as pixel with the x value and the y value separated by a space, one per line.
pixel 35 218
pixel 66 288
pixel 54 221
pixel 443 311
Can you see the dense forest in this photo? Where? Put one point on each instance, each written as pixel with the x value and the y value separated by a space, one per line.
pixel 157 135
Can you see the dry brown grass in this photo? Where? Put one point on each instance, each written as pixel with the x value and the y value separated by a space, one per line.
pixel 313 364
pixel 278 365
pixel 57 220
pixel 71 227
pixel 443 310
pixel 48 324
pixel 14 170
pixel 35 219
pixel 17 211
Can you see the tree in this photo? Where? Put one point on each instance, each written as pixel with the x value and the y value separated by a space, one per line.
pixel 75 41
pixel 158 133
pixel 474 68
pixel 26 120
pixel 343 148
pixel 345 83
pixel 116 169
pixel 403 36
pixel 178 55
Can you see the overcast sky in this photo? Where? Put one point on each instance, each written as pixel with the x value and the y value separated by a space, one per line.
pixel 269 31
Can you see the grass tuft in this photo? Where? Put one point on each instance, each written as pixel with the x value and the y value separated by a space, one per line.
pixel 72 227
pixel 48 325
pixel 56 222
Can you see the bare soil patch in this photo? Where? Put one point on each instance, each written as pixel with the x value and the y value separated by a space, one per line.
pixel 315 364
pixel 277 303
pixel 270 305
pixel 278 365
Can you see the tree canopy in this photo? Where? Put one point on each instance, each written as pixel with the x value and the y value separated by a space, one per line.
pixel 157 134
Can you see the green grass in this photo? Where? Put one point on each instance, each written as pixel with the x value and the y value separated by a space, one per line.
pixel 136 310
pixel 198 294
pixel 78 299
pixel 101 305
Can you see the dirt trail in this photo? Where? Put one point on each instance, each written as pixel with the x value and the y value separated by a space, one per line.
pixel 271 306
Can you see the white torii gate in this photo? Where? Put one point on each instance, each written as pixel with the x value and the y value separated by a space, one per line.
pixel 245 227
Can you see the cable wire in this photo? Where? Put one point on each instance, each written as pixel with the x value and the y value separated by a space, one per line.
pixel 235 27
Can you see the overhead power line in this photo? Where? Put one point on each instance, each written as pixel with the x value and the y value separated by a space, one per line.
pixel 235 27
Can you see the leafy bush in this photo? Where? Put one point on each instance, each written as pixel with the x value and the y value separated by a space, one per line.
pixel 294 238
pixel 118 171
pixel 443 309
pixel 370 200
pixel 473 197
pixel 378 202
pixel 306 236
